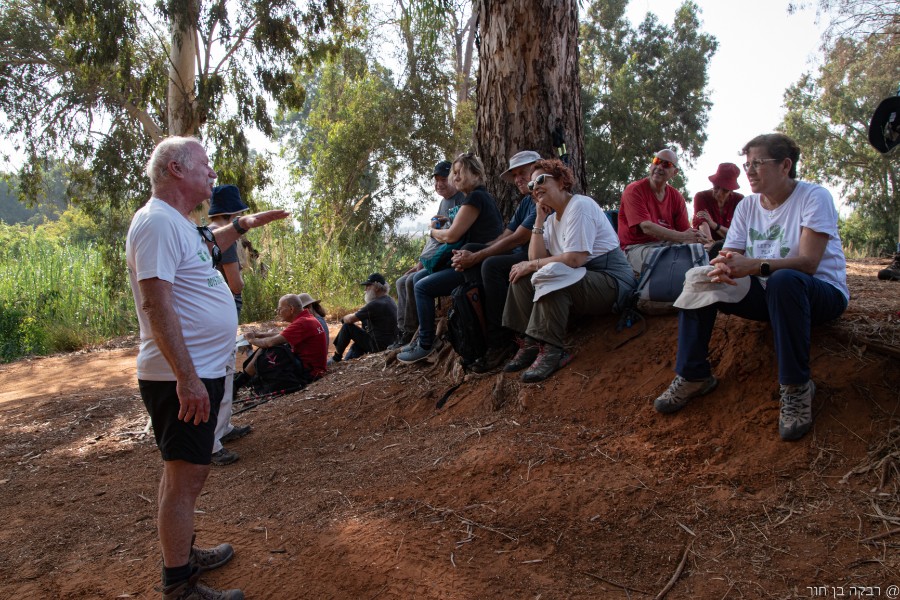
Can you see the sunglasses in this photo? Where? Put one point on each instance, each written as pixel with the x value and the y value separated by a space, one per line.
pixel 209 238
pixel 539 180
pixel 663 163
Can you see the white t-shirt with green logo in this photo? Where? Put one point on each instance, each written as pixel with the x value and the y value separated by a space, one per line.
pixel 162 243
pixel 764 233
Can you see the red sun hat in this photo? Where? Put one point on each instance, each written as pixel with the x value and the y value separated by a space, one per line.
pixel 726 177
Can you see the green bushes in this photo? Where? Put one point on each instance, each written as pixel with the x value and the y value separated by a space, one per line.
pixel 55 295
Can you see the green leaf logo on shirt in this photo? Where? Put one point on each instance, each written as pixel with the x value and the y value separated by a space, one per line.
pixel 767 244
pixel 203 254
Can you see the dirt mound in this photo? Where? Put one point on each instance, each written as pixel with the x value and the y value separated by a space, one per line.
pixel 358 487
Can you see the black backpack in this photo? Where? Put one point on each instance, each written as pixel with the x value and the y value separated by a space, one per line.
pixel 278 371
pixel 466 326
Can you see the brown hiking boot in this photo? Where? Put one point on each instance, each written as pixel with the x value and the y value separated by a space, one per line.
pixel 194 590
pixel 549 360
pixel 892 271
pixel 528 352
pixel 207 559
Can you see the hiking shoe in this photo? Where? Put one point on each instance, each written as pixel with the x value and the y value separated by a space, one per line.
pixel 492 359
pixel 681 391
pixel 224 457
pixel 796 410
pixel 527 354
pixel 194 590
pixel 207 559
pixel 549 360
pixel 892 272
pixel 414 354
pixel 236 433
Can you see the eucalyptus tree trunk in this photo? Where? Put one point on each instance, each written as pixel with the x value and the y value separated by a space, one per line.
pixel 183 116
pixel 528 87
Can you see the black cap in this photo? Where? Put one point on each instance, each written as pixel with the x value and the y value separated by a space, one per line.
pixel 442 169
pixel 374 278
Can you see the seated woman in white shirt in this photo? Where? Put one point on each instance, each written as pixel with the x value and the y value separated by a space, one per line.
pixel 784 237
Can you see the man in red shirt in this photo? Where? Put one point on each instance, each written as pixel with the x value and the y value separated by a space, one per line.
pixel 652 212
pixel 305 334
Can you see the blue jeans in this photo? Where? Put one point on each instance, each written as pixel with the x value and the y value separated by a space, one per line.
pixel 428 287
pixel 791 301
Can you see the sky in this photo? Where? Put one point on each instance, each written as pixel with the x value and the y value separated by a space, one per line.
pixel 762 51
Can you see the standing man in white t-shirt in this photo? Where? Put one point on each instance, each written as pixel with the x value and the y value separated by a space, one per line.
pixel 187 321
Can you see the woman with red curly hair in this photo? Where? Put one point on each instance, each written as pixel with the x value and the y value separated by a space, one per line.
pixel 575 267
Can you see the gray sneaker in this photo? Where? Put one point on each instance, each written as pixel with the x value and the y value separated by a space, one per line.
pixel 194 590
pixel 796 410
pixel 414 354
pixel 224 457
pixel 207 559
pixel 681 391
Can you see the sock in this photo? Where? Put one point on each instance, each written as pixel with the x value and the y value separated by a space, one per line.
pixel 173 575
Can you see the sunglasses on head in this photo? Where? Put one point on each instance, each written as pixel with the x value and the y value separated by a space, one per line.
pixel 665 164
pixel 539 180
pixel 209 238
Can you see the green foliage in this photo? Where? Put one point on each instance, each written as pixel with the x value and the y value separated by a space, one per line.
pixel 331 271
pixel 642 90
pixel 55 294
pixel 829 115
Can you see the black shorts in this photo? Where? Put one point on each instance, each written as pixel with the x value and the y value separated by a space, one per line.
pixel 176 439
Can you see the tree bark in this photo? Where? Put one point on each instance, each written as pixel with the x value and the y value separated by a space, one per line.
pixel 182 94
pixel 528 87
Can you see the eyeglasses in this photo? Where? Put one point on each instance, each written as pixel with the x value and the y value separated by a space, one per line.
pixel 209 238
pixel 665 164
pixel 756 163
pixel 539 180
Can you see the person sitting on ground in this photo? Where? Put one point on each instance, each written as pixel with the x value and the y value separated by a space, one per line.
pixel 575 267
pixel 379 319
pixel 784 246
pixel 315 308
pixel 407 318
pixel 305 334
pixel 714 209
pixel 496 258
pixel 225 206
pixel 653 213
pixel 479 221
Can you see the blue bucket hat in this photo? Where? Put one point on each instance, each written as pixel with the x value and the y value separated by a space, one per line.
pixel 226 200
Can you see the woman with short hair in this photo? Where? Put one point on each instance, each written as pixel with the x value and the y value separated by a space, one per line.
pixel 783 238
pixel 576 267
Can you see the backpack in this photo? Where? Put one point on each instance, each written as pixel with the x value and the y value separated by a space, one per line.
pixel 440 256
pixel 278 371
pixel 466 325
pixel 662 276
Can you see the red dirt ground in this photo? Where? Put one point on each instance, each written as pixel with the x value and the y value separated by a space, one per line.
pixel 357 487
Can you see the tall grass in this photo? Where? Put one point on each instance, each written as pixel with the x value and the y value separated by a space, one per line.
pixel 56 296
pixel 292 262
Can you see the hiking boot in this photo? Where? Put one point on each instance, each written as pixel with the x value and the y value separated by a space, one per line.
pixel 527 354
pixel 236 433
pixel 796 410
pixel 224 457
pixel 414 354
pixel 194 590
pixel 681 391
pixel 892 271
pixel 549 360
pixel 207 559
pixel 492 359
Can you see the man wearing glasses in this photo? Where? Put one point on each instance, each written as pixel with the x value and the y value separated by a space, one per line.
pixel 187 322
pixel 653 213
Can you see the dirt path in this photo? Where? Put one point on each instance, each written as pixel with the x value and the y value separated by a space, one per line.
pixel 358 488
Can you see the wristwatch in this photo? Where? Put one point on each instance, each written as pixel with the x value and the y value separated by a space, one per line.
pixel 236 223
pixel 765 269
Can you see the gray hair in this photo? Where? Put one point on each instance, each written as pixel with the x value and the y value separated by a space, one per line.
pixel 292 300
pixel 381 288
pixel 174 148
